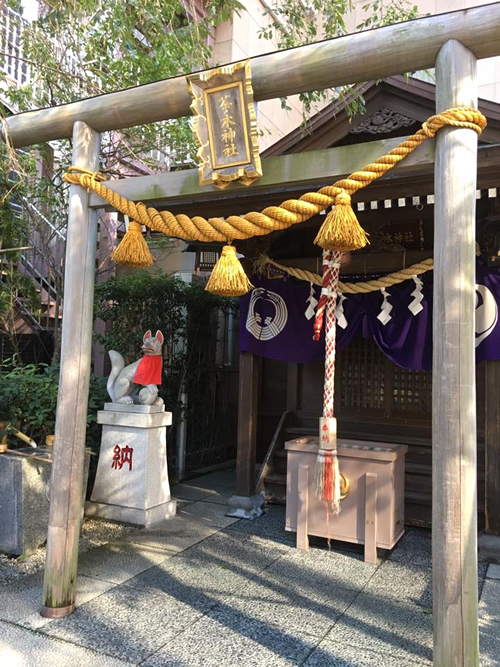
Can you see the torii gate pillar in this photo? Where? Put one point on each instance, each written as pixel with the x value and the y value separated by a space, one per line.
pixel 454 485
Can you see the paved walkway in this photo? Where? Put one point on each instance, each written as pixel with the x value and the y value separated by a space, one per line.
pixel 204 589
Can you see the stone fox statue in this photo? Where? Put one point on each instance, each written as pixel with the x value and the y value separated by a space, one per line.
pixel 137 382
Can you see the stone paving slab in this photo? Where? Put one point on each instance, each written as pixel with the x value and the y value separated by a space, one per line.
pixel 192 524
pixel 21 600
pixel 271 525
pixel 401 581
pixel 307 591
pixel 206 513
pixel 414 548
pixel 489 645
pixel 317 572
pixel 23 648
pixel 118 561
pixel 386 625
pixel 188 492
pixel 174 535
pixel 125 622
pixel 330 654
pixel 220 497
pixel 489 622
pixel 493 571
pixel 209 572
pixel 214 481
pixel 291 612
pixel 226 638
pixel 489 605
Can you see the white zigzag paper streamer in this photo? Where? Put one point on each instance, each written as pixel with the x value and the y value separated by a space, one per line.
pixel 339 312
pixel 313 302
pixel 415 307
pixel 385 312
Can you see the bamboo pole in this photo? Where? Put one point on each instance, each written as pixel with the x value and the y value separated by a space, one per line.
pixel 71 417
pixel 364 56
pixel 454 509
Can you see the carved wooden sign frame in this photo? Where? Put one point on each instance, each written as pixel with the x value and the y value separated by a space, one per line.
pixel 225 125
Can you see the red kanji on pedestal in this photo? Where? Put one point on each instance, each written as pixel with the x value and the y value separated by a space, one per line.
pixel 121 456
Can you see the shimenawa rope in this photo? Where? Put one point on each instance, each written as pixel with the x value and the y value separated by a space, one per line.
pixel 354 288
pixel 340 231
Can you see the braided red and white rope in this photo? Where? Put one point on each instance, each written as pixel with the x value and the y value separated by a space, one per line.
pixel 327 476
pixel 330 332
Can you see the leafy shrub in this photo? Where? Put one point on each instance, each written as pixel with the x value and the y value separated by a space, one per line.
pixel 28 394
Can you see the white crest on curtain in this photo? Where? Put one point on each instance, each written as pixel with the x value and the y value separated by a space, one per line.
pixel 339 312
pixel 385 312
pixel 415 307
pixel 486 313
pixel 273 324
pixel 313 302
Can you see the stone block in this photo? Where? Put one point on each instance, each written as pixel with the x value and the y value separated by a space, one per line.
pixel 24 500
pixel 245 507
pixel 131 483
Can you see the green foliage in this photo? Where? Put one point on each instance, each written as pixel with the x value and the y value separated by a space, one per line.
pixel 380 13
pixel 82 48
pixel 28 394
pixel 132 304
pixel 16 288
pixel 294 23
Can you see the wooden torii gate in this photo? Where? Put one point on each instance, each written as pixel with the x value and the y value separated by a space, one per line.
pixel 451 43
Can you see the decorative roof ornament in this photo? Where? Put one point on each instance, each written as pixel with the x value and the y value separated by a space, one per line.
pixel 383 122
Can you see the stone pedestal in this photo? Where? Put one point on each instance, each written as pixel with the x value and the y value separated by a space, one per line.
pixel 131 483
pixel 245 507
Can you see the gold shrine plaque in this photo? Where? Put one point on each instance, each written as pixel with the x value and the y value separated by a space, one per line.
pixel 225 126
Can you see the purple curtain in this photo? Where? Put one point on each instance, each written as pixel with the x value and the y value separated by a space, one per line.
pixel 274 320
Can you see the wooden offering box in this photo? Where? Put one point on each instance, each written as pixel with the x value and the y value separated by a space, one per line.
pixel 373 512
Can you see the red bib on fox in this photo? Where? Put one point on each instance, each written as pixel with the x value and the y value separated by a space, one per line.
pixel 149 370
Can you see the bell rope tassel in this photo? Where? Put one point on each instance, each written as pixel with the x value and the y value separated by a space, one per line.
pixel 133 249
pixel 228 277
pixel 341 229
pixel 327 473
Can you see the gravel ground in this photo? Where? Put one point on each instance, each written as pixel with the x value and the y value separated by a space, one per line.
pixel 94 534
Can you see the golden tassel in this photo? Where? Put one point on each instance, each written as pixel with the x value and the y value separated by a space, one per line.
pixel 228 277
pixel 341 229
pixel 133 249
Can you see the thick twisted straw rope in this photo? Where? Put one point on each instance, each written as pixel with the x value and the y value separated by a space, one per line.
pixel 273 218
pixel 361 287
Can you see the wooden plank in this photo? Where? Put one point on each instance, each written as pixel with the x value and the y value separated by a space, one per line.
pixel 364 56
pixel 66 493
pixel 324 166
pixel 303 507
pixel 247 425
pixel 370 517
pixel 492 436
pixel 454 512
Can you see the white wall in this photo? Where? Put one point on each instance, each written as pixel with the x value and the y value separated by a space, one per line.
pixel 239 40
